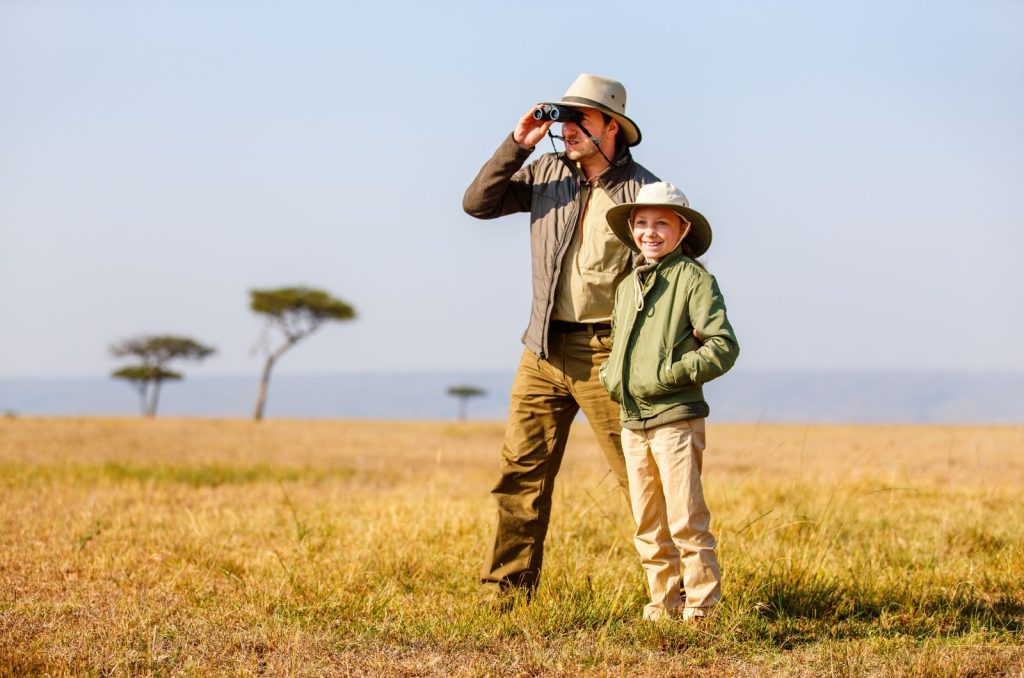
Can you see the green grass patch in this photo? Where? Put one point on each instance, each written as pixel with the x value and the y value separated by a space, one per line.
pixel 208 475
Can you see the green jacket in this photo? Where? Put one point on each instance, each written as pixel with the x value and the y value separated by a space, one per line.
pixel 657 366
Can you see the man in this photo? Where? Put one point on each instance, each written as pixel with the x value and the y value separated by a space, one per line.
pixel 577 263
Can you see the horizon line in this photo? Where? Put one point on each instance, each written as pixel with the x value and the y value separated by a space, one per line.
pixel 913 371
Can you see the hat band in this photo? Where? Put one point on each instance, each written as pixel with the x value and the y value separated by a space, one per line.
pixel 591 103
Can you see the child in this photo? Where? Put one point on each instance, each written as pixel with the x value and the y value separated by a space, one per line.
pixel 670 334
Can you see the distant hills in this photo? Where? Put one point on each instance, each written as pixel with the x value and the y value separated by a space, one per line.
pixel 740 396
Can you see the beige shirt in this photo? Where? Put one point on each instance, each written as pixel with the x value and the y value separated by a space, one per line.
pixel 594 264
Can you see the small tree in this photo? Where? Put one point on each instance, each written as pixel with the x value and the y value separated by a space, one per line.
pixel 296 312
pixel 155 352
pixel 464 393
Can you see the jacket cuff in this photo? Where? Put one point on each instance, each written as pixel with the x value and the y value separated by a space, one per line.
pixel 512 148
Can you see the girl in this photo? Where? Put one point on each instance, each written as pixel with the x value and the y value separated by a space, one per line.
pixel 670 334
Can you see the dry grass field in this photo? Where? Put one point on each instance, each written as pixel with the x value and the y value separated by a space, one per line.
pixel 172 547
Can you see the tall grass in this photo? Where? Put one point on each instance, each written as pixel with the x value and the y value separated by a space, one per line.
pixel 183 546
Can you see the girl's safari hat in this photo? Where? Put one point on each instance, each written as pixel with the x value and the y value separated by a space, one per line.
pixel 661 194
pixel 605 95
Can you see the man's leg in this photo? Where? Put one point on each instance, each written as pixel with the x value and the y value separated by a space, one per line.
pixel 584 354
pixel 540 414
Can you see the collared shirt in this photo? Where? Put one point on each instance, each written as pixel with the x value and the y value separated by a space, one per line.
pixel 594 264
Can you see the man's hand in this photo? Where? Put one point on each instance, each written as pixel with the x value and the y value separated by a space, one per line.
pixel 697 337
pixel 530 130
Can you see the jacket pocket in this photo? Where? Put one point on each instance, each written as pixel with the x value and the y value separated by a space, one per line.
pixel 611 382
pixel 671 374
pixel 665 379
pixel 684 345
pixel 646 379
pixel 674 377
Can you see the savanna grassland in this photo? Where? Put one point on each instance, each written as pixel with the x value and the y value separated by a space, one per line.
pixel 330 547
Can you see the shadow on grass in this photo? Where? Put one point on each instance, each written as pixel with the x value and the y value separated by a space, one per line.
pixel 806 611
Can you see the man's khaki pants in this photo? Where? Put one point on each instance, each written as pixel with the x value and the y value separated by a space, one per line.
pixel 672 520
pixel 546 395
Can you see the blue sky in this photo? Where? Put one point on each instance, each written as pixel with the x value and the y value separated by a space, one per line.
pixel 861 164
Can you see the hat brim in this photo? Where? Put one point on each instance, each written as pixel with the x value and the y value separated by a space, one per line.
pixel 699 237
pixel 631 132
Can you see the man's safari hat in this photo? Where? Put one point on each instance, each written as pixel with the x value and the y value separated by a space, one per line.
pixel 605 95
pixel 661 194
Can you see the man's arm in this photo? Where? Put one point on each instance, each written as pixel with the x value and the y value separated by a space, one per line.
pixel 503 186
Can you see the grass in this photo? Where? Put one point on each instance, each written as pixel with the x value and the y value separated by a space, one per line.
pixel 174 547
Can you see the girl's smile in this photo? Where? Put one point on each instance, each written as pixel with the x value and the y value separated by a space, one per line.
pixel 657 231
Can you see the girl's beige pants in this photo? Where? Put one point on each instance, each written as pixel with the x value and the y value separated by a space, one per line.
pixel 663 465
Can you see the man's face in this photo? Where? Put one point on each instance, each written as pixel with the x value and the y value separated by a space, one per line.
pixel 578 146
pixel 657 230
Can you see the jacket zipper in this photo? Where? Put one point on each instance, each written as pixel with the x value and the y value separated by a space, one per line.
pixel 647 286
pixel 556 268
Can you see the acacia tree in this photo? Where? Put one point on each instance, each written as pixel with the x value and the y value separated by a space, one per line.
pixel 296 312
pixel 464 393
pixel 155 352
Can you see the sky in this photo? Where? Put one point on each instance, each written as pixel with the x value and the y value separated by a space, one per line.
pixel 861 164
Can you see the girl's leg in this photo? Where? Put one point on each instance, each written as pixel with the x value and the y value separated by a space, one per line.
pixel 679 450
pixel 658 552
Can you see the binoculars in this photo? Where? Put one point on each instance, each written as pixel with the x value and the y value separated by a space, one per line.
pixel 557 113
